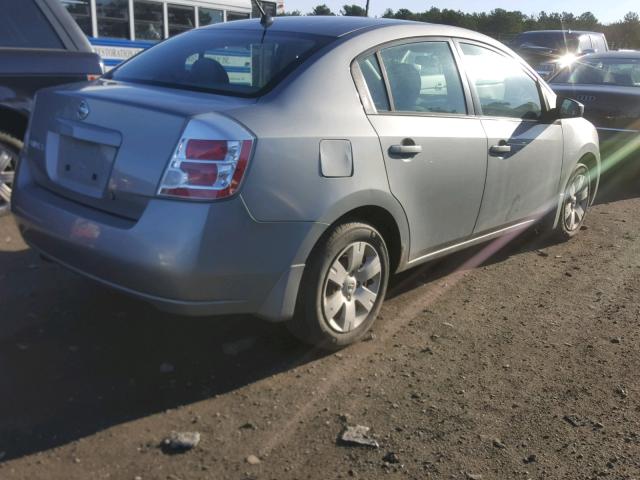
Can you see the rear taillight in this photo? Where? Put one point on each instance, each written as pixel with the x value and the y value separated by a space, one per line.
pixel 206 169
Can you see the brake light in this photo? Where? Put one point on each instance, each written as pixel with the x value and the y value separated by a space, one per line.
pixel 91 77
pixel 206 169
pixel 207 149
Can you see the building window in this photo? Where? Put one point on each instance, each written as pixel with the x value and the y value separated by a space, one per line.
pixel 207 16
pixel 80 10
pixel 181 19
pixel 231 16
pixel 113 18
pixel 149 20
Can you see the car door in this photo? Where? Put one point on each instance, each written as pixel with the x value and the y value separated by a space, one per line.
pixel 434 150
pixel 524 158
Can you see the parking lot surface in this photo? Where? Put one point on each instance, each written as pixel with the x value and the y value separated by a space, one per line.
pixel 513 360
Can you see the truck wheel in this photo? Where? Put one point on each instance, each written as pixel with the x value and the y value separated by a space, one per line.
pixel 9 151
pixel 343 287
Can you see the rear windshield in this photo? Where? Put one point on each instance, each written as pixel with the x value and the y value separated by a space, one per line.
pixel 224 61
pixel 557 41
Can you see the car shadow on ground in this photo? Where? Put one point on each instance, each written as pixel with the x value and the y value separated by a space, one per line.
pixel 76 358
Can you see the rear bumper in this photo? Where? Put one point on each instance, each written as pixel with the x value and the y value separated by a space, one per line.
pixel 183 257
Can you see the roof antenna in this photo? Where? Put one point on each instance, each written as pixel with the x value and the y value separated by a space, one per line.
pixel 266 20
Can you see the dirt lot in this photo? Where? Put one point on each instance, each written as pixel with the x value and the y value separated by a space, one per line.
pixel 499 363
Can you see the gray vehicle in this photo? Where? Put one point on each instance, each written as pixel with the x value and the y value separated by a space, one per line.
pixel 293 192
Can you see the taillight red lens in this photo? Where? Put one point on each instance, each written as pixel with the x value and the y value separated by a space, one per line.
pixel 200 174
pixel 206 150
pixel 206 169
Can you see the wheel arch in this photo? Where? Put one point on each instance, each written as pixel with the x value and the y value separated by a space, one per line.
pixel 13 121
pixel 384 222
pixel 592 162
pixel 384 213
pixel 581 144
pixel 391 224
pixel 590 157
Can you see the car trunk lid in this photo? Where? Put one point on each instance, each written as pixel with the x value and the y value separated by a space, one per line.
pixel 106 145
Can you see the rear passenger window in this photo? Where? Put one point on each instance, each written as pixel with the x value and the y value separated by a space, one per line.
pixel 503 87
pixel 423 77
pixel 25 26
pixel 375 82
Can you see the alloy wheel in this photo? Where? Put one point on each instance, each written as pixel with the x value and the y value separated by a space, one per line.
pixel 351 287
pixel 576 202
pixel 8 161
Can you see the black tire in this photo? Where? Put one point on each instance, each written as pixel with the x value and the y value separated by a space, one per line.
pixel 566 229
pixel 12 147
pixel 310 323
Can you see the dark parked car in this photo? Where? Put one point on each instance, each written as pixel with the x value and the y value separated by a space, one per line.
pixel 40 46
pixel 609 87
pixel 550 50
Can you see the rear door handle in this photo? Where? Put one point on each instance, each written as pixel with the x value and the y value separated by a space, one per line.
pixel 405 149
pixel 500 149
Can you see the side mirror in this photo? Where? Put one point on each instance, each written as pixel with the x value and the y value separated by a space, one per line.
pixel 569 108
pixel 587 51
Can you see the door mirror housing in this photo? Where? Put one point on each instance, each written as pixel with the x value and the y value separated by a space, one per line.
pixel 568 108
pixel 587 51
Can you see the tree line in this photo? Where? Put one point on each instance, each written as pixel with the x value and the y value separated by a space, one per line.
pixel 505 24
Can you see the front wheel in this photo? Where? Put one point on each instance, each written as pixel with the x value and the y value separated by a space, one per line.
pixel 343 287
pixel 575 203
pixel 9 150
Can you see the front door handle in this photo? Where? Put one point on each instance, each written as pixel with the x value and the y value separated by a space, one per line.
pixel 500 149
pixel 405 149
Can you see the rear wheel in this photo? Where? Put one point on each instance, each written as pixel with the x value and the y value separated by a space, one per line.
pixel 575 203
pixel 343 287
pixel 9 151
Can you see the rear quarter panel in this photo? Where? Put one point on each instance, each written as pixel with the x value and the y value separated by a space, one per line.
pixel 285 181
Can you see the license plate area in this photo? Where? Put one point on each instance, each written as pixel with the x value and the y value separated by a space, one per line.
pixel 83 166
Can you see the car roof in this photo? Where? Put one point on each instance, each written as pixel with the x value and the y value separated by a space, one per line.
pixel 336 26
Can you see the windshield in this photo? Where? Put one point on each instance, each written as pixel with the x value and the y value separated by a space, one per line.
pixel 553 40
pixel 225 61
pixel 602 71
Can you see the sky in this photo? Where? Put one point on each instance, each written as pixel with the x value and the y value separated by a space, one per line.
pixel 605 11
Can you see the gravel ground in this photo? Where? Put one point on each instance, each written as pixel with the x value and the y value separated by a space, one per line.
pixel 502 362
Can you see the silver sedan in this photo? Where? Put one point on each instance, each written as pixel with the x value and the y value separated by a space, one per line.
pixel 288 171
